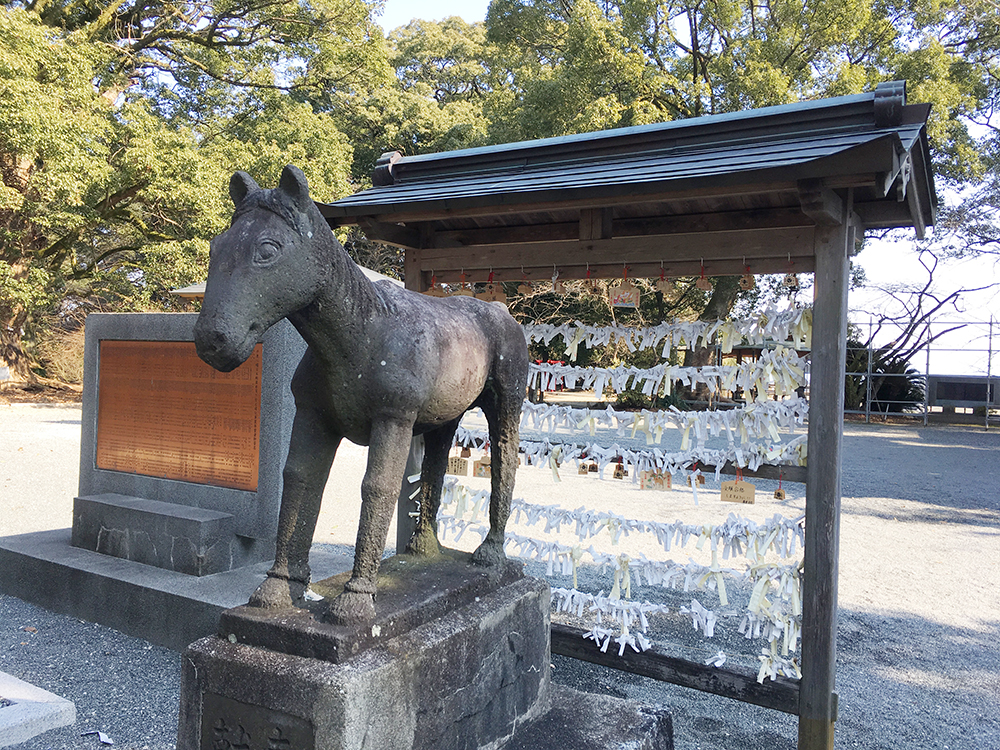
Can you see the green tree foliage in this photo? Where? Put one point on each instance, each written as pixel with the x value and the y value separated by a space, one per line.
pixel 441 81
pixel 121 121
pixel 120 126
pixel 585 65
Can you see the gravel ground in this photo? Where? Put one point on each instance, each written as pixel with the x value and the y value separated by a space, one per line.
pixel 919 661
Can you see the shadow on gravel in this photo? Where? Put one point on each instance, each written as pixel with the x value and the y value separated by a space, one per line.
pixel 907 681
pixel 948 467
pixel 970 517
pixel 903 682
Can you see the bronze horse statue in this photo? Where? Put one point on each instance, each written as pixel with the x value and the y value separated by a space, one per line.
pixel 383 364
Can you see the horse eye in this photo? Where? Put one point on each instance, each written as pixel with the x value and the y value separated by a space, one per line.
pixel 266 251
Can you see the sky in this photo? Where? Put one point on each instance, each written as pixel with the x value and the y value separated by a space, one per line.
pixel 401 12
pixel 885 263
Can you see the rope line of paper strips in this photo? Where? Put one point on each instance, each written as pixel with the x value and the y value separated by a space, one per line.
pixel 753 438
pixel 554 454
pixel 774 610
pixel 754 420
pixel 776 325
pixel 780 367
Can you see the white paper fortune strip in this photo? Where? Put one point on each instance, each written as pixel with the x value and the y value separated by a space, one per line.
pixel 538 452
pixel 756 420
pixel 735 537
pixel 779 367
pixel 773 612
pixel 792 325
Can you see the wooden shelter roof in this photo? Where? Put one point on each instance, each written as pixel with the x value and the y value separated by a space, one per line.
pixel 717 193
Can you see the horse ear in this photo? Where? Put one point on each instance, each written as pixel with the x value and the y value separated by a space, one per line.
pixel 293 183
pixel 240 185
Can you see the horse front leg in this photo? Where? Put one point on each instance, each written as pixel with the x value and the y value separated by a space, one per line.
pixel 310 455
pixel 387 451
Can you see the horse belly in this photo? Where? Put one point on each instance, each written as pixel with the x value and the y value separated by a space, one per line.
pixel 458 385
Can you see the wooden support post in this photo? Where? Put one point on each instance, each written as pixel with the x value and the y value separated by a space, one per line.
pixel 817 700
pixel 406 523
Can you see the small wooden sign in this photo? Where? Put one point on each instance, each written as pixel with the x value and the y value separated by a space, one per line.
pixel 582 469
pixel 482 468
pixel 701 479
pixel 162 412
pixel 620 472
pixel 747 282
pixel 738 492
pixel 779 494
pixel 654 480
pixel 458 466
pixel 704 284
pixel 466 452
pixel 624 294
pixel 665 286
pixel 493 293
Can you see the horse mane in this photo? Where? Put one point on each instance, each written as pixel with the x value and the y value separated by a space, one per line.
pixel 271 201
pixel 358 290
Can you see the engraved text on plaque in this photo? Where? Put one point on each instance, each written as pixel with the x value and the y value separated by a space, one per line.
pixel 162 412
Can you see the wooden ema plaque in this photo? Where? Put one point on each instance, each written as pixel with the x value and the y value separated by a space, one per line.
pixel 738 492
pixel 162 412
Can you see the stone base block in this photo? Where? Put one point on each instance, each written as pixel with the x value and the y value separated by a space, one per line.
pixel 412 591
pixel 174 537
pixel 462 680
pixel 29 711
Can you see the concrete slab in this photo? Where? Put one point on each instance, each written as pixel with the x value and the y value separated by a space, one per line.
pixel 31 711
pixel 164 607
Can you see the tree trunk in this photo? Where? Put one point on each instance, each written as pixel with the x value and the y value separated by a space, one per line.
pixel 11 352
pixel 727 288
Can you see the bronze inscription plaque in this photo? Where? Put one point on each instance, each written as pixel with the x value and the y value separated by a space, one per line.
pixel 162 412
pixel 231 725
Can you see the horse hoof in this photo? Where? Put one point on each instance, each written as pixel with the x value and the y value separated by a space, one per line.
pixel 488 555
pixel 277 593
pixel 351 608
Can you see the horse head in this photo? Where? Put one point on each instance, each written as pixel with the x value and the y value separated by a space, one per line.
pixel 270 263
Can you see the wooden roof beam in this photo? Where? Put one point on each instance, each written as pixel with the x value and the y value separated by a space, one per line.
pixel 596 223
pixel 820 203
pixel 594 227
pixel 622 251
pixel 393 234
pixel 671 268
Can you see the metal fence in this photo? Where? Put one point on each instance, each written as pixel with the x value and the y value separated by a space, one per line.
pixel 952 373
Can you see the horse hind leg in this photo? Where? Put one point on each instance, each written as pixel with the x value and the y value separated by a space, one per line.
pixel 502 407
pixel 437 444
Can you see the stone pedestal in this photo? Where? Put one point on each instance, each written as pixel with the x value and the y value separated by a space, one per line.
pixel 456 659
